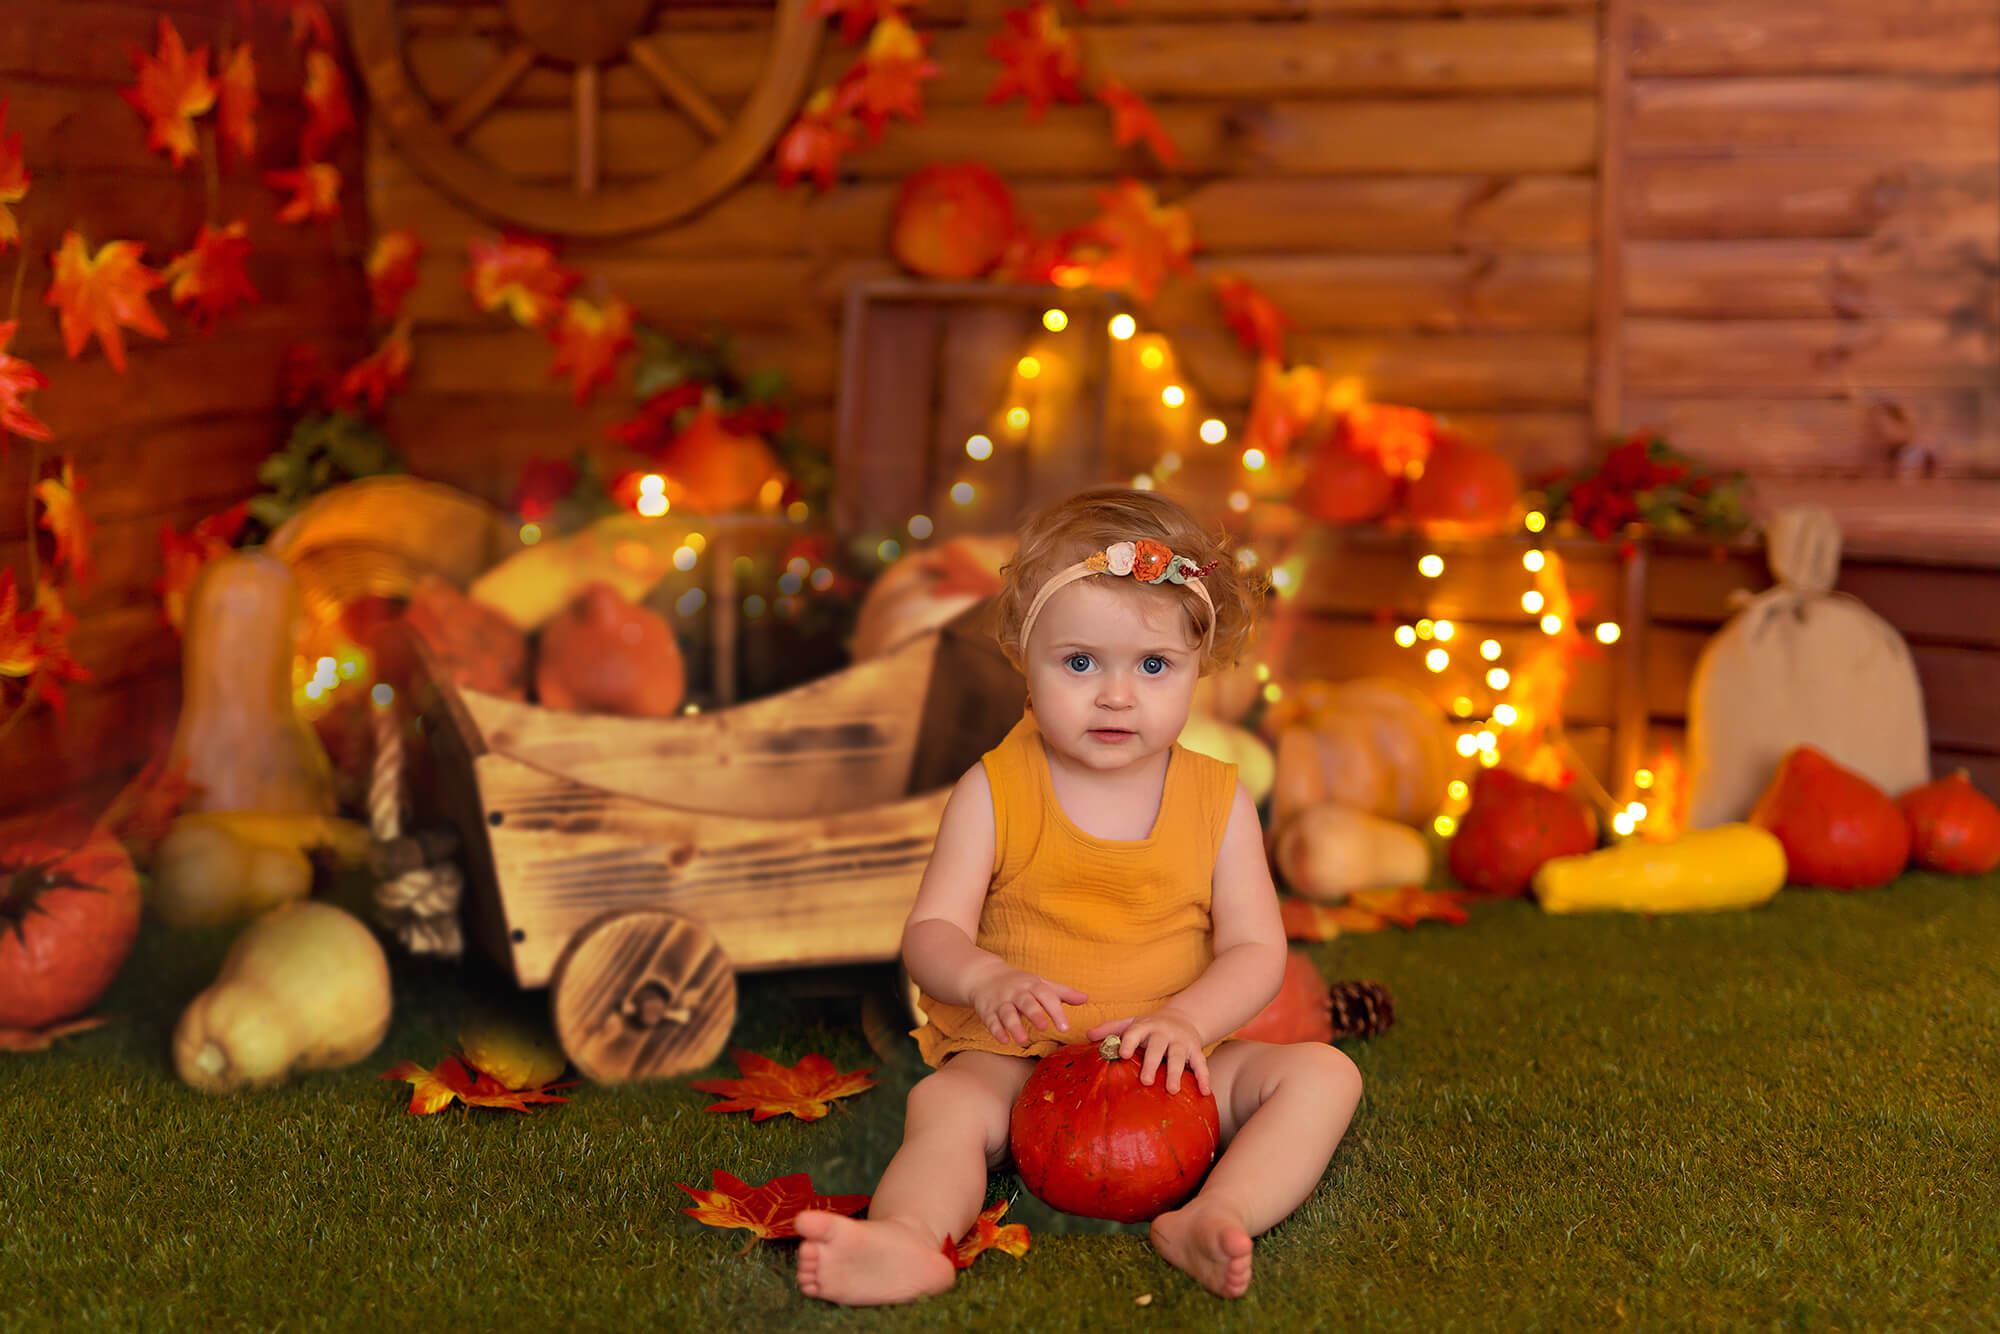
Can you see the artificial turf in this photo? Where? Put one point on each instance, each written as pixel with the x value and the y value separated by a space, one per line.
pixel 1787 1118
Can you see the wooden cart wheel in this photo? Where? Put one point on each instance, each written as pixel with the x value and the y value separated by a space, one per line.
pixel 642 994
pixel 582 40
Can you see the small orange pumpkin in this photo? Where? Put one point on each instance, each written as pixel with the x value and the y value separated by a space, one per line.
pixel 1465 491
pixel 1954 827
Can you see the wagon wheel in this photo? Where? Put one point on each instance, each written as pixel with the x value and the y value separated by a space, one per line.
pixel 643 994
pixel 582 40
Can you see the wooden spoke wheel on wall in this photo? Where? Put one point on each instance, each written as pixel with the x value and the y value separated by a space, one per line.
pixel 586 42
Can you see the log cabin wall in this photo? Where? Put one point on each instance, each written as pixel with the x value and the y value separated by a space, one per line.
pixel 179 435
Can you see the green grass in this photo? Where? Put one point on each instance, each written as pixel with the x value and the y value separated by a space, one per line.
pixel 1788 1118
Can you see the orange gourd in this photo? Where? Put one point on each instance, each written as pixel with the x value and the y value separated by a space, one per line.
pixel 1465 491
pixel 1839 830
pixel 1512 827
pixel 1954 827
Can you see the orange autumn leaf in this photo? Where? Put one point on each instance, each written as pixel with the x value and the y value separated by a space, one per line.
pixel 888 78
pixel 1143 239
pixel 173 89
pixel 64 517
pixel 41 1039
pixel 770 1210
pixel 311 25
pixel 315 188
pixel 769 1089
pixel 451 1079
pixel 1407 905
pixel 18 379
pixel 183 555
pixel 713 467
pixel 1133 121
pixel 144 809
pixel 49 624
pixel 1041 59
pixel 330 113
pixel 379 374
pixel 1304 919
pixel 816 140
pixel 20 650
pixel 988 1235
pixel 1256 320
pixel 392 271
pixel 589 339
pixel 520 273
pixel 1284 402
pixel 209 280
pixel 858 17
pixel 98 294
pixel 14 178
pixel 236 105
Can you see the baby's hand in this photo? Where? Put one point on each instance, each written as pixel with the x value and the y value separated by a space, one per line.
pixel 1170 1042
pixel 1008 996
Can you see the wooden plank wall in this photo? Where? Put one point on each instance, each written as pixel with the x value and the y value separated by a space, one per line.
pixel 1810 214
pixel 1413 178
pixel 179 435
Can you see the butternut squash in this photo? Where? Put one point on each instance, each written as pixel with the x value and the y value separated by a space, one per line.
pixel 305 987
pixel 244 745
pixel 223 866
pixel 1729 866
pixel 1328 851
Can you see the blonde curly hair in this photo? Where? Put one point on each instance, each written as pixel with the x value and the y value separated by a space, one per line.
pixel 1060 534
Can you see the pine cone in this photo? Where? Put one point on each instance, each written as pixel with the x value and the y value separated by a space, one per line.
pixel 1361 1009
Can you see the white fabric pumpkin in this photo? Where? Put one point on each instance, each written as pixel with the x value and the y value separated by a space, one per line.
pixel 1374 744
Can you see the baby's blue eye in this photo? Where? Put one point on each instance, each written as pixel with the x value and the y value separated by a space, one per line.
pixel 1079 662
pixel 1154 665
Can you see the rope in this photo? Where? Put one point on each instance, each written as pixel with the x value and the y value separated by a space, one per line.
pixel 419 906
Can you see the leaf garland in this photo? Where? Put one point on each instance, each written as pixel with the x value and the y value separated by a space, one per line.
pixel 209 280
pixel 100 294
pixel 173 88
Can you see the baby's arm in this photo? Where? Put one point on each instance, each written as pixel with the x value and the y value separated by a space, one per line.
pixel 938 946
pixel 1248 967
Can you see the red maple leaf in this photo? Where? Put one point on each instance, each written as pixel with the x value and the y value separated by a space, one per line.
pixel 521 273
pixel 99 293
pixel 589 340
pixel 988 1235
pixel 173 89
pixel 209 280
pixel 821 134
pixel 1133 121
pixel 330 113
pixel 450 1079
pixel 236 105
pixel 48 627
pixel 1407 905
pixel 392 271
pixel 14 178
pixel 144 809
pixel 311 25
pixel 888 78
pixel 1143 239
pixel 769 1089
pixel 373 378
pixel 64 517
pixel 41 1039
pixel 20 651
pixel 1259 324
pixel 17 379
pixel 770 1210
pixel 315 188
pixel 1043 60
pixel 183 555
pixel 858 16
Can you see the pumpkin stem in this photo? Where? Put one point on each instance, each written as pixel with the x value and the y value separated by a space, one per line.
pixel 1108 1048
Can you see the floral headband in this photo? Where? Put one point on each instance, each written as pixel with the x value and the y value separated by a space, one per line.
pixel 1146 561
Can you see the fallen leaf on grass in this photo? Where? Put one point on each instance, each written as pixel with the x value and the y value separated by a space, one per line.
pixel 988 1235
pixel 1369 910
pixel 769 1089
pixel 452 1079
pixel 41 1039
pixel 770 1210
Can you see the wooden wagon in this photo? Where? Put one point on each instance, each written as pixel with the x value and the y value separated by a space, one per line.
pixel 634 866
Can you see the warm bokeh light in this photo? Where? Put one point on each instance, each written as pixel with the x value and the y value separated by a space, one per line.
pixel 1643 778
pixel 1406 635
pixel 1608 632
pixel 531 533
pixel 1490 649
pixel 1505 714
pixel 1437 660
pixel 1055 321
pixel 962 493
pixel 1239 501
pixel 1152 358
pixel 920 526
pixel 1213 432
pixel 651 507
pixel 1017 418
pixel 1468 745
pixel 888 548
pixel 1533 560
pixel 684 557
pixel 822 578
pixel 1552 624
pixel 1028 367
pixel 1123 327
pixel 1535 521
pixel 1531 602
pixel 979 447
pixel 1462 707
pixel 1623 822
pixel 1173 396
pixel 1253 459
pixel 1497 678
pixel 1444 824
pixel 1431 566
pixel 1443 629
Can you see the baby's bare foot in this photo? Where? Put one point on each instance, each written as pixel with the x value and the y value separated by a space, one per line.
pixel 1208 1244
pixel 870 1262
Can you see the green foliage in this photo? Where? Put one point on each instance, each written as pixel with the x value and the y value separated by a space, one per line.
pixel 324 450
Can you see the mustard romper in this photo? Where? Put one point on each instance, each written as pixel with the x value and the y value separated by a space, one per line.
pixel 1124 922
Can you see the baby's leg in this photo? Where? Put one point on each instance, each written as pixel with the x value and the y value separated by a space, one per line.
pixel 1284 1108
pixel 955 1128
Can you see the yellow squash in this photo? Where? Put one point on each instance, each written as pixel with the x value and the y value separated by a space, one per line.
pixel 1730 866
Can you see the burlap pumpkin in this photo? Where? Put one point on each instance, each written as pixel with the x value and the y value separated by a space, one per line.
pixel 1801 665
pixel 1375 745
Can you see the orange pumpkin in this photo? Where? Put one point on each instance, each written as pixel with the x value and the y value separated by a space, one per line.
pixel 711 469
pixel 952 220
pixel 1343 485
pixel 68 918
pixel 1464 491
pixel 602 654
pixel 1839 830
pixel 1513 825
pixel 1954 827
